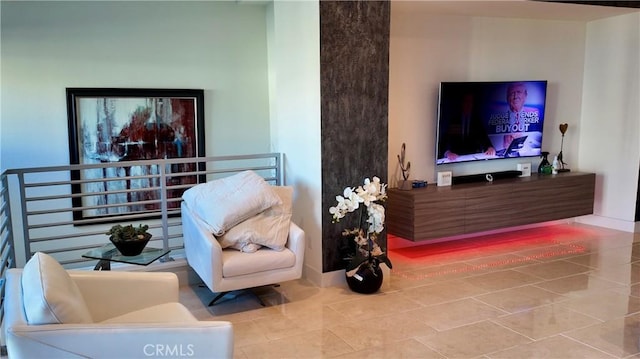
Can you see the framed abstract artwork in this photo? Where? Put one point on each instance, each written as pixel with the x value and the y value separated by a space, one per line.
pixel 129 124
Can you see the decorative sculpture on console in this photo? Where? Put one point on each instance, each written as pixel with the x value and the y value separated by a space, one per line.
pixel 563 128
pixel 405 184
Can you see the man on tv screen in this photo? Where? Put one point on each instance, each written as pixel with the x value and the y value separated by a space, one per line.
pixel 519 120
pixel 518 113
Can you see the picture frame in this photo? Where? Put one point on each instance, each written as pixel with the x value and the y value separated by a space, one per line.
pixel 129 124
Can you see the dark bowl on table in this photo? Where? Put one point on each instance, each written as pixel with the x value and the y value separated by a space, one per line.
pixel 133 247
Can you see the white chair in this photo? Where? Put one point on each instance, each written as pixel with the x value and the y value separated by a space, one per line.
pixel 226 270
pixel 123 315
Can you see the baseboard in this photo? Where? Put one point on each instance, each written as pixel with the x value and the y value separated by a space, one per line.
pixel 607 222
pixel 311 275
pixel 334 279
pixel 323 280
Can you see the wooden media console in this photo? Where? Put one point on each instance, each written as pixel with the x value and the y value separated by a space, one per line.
pixel 435 212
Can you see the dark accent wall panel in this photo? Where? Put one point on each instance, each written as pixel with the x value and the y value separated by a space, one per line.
pixel 354 75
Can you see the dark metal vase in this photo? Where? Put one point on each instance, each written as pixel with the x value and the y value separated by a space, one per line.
pixel 367 279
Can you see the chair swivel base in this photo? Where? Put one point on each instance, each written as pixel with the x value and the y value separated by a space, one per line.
pixel 222 294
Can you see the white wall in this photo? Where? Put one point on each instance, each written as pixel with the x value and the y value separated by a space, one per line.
pixel 220 47
pixel 294 68
pixel 610 140
pixel 254 61
pixel 427 49
pixel 593 73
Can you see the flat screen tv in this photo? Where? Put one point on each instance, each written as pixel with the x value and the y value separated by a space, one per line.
pixel 490 120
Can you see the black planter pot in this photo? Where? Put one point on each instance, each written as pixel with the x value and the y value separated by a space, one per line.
pixel 131 248
pixel 367 279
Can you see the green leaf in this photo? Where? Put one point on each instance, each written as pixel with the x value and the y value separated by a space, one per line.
pixel 356 261
pixel 383 258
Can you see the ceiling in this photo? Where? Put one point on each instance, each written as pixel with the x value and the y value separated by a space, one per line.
pixel 512 8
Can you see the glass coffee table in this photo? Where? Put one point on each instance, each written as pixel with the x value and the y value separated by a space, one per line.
pixel 108 253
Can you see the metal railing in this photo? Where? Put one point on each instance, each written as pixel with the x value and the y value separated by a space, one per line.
pixel 66 210
pixel 7 252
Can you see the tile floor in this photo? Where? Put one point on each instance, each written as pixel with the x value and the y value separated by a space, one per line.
pixel 559 291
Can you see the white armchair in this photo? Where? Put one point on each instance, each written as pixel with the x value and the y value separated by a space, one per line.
pixel 132 315
pixel 225 270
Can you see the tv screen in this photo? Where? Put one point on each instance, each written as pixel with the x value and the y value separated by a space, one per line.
pixel 490 120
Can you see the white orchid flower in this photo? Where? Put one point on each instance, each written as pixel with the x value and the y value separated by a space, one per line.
pixel 340 209
pixel 370 193
pixel 337 214
pixel 376 218
pixel 366 196
pixel 347 192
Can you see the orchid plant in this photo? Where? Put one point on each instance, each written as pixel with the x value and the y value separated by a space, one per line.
pixel 367 196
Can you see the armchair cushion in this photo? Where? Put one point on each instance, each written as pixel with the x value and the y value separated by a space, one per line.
pixel 225 202
pixel 242 246
pixel 161 313
pixel 239 264
pixel 269 228
pixel 50 295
